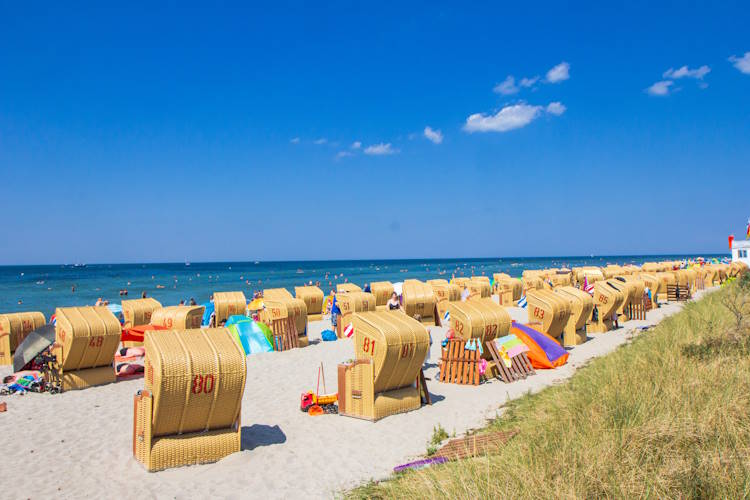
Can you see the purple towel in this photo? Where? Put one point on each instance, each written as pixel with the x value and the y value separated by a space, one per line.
pixel 552 349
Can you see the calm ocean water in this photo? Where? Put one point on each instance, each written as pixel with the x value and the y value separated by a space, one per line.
pixel 43 288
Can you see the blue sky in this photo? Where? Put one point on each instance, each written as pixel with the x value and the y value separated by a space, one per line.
pixel 322 131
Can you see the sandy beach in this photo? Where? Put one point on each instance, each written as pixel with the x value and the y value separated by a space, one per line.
pixel 80 443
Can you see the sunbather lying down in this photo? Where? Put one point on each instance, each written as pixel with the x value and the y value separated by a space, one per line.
pixel 26 380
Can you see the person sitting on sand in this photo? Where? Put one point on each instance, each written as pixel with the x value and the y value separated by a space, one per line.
pixel 393 302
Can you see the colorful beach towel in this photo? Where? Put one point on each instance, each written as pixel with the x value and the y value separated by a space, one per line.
pixel 544 351
pixel 509 347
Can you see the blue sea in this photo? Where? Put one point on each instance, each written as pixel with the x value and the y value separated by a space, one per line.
pixel 43 288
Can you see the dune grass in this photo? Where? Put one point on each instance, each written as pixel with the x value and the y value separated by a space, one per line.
pixel 667 415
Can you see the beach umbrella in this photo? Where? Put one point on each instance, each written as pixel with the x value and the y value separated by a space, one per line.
pixel 34 343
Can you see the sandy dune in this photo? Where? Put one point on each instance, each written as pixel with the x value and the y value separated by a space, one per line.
pixel 79 443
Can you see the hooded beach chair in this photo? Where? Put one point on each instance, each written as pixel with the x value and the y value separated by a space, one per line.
pixel 178 317
pixel 287 319
pixel 347 287
pixel 508 289
pixel 313 298
pixel 418 299
pixel 606 302
pixel 189 410
pixel 581 307
pixel 389 350
pixel 137 312
pixel 382 291
pixel 228 304
pixel 86 339
pixel 549 311
pixel 14 327
pixel 445 293
pixel 350 303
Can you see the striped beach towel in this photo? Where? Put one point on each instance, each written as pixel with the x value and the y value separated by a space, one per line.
pixel 508 347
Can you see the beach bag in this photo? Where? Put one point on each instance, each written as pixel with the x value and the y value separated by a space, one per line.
pixel 328 335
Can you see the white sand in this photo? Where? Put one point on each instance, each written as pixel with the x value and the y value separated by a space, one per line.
pixel 79 443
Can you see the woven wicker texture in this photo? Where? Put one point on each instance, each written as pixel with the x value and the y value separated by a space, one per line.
pixel 650 281
pixel 607 300
pixel 581 307
pixel 479 319
pixel 418 298
pixel 228 304
pixel 13 329
pixel 532 282
pixel 159 453
pixel 277 293
pixel 396 344
pixel 638 287
pixel 611 271
pixel 196 377
pixel 286 307
pixel 382 291
pixel 347 288
pixel 444 291
pixel 628 291
pixel 481 285
pixel 178 317
pixel 138 312
pixel 88 377
pixel 87 337
pixel 509 289
pixel 549 309
pixel 354 302
pixel 313 298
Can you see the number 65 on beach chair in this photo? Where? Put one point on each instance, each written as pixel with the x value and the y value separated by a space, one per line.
pixel 189 410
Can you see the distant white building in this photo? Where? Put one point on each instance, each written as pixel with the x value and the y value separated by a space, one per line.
pixel 740 251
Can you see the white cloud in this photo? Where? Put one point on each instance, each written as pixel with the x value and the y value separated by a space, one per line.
pixel 343 154
pixel 322 140
pixel 383 148
pixel 294 140
pixel 556 108
pixel 741 63
pixel 559 73
pixel 435 136
pixel 508 118
pixel 356 145
pixel 660 88
pixel 528 82
pixel 685 72
pixel 507 86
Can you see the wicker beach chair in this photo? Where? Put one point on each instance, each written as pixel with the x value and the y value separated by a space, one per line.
pixel 445 293
pixel 275 314
pixel 350 303
pixel 14 328
pixel 480 319
pixel 189 410
pixel 228 304
pixel 606 302
pixel 313 298
pixel 178 317
pixel 508 289
pixel 382 291
pixel 390 349
pixel 86 339
pixel 137 312
pixel 581 307
pixel 419 300
pixel 550 310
